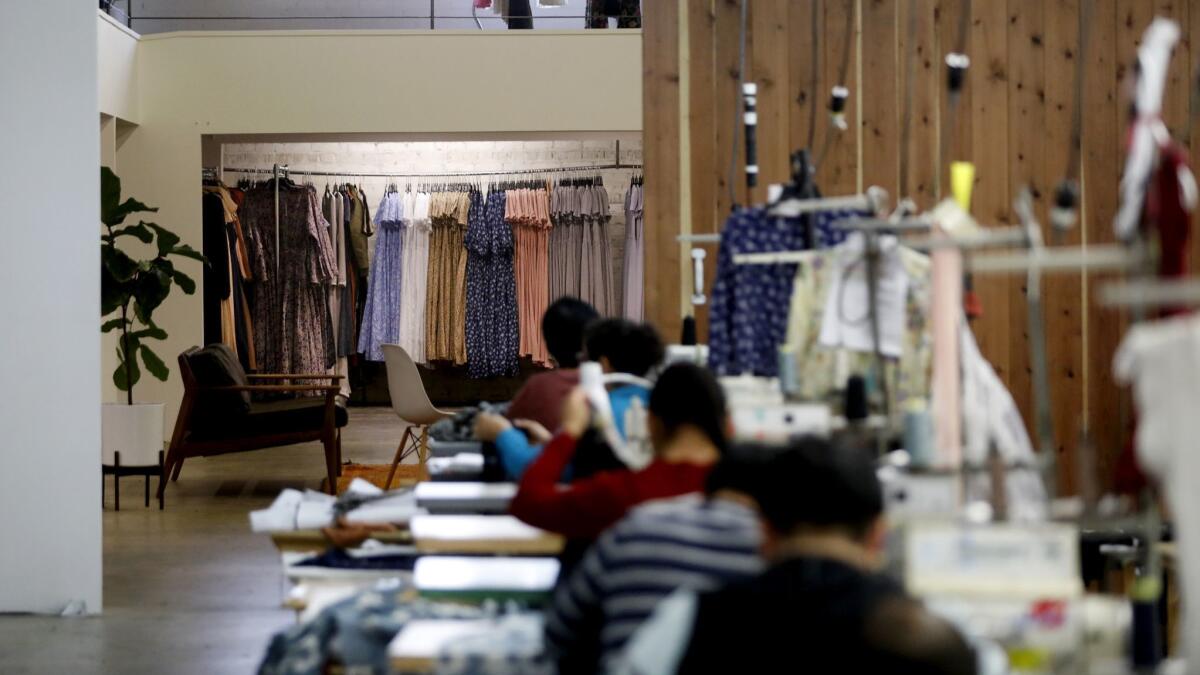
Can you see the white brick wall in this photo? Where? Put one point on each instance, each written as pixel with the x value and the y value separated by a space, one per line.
pixel 413 159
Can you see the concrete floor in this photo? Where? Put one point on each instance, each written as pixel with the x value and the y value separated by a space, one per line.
pixel 190 589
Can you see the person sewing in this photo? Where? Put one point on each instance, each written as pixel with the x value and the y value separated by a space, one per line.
pixel 619 346
pixel 686 420
pixel 563 327
pixel 821 606
pixel 696 541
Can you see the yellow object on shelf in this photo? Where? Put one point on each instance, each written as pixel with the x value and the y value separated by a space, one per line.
pixel 962 179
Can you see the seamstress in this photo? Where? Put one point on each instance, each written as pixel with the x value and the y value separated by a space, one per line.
pixel 695 541
pixel 619 346
pixel 686 421
pixel 563 327
pixel 821 606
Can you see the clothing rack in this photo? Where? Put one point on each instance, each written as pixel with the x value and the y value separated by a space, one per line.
pixel 509 172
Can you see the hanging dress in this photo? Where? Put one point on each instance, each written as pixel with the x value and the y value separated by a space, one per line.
pixel 381 320
pixel 632 292
pixel 415 278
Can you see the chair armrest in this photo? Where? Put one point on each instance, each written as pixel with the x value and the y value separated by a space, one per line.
pixel 272 387
pixel 289 376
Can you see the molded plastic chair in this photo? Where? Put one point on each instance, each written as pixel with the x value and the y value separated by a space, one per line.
pixel 411 404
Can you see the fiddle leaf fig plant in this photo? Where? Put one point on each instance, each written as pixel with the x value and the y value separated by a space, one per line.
pixel 135 288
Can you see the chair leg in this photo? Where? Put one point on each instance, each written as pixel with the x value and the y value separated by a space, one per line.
pixel 162 479
pixel 331 464
pixel 174 462
pixel 117 481
pixel 339 452
pixel 178 468
pixel 423 450
pixel 399 456
pixel 147 490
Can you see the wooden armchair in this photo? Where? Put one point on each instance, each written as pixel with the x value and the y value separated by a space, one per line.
pixel 217 415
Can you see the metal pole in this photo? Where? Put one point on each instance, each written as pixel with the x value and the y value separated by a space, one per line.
pixel 432 14
pixel 275 174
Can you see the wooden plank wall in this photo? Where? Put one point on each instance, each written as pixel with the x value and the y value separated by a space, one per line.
pixel 1013 121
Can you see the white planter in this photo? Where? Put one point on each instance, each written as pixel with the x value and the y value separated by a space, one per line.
pixel 136 431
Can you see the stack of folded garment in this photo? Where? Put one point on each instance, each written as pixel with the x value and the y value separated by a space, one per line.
pixel 309 510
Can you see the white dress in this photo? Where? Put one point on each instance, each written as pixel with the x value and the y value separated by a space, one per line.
pixel 415 270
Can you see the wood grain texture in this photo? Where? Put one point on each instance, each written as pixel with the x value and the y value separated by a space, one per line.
pixel 1103 125
pixel 1026 169
pixel 703 124
pixel 922 150
pixel 838 173
pixel 988 80
pixel 880 103
pixel 1062 294
pixel 769 23
pixel 660 128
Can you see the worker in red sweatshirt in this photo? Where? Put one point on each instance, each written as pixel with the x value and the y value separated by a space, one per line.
pixel 687 422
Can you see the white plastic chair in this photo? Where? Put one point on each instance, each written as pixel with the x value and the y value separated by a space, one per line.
pixel 411 404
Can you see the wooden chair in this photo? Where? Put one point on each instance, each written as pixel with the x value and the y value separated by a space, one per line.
pixel 411 403
pixel 217 415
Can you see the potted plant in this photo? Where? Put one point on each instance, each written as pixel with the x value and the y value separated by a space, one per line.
pixel 130 291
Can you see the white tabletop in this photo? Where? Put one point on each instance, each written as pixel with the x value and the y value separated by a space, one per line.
pixel 472 574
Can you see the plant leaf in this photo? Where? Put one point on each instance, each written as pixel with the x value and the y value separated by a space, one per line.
pixel 186 284
pixel 189 252
pixel 113 324
pixel 154 364
pixel 140 231
pixel 119 375
pixel 120 265
pixel 113 293
pixel 154 333
pixel 166 238
pixel 151 288
pixel 110 195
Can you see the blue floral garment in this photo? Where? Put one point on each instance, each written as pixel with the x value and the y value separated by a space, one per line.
pixel 749 311
pixel 492 330
pixel 381 316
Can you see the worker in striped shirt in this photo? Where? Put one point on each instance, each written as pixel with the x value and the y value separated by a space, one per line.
pixel 696 541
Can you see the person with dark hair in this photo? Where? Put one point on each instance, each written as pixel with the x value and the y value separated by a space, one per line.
pixel 619 346
pixel 563 327
pixel 821 606
pixel 686 421
pixel 701 542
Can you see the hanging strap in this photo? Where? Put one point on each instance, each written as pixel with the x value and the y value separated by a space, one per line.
pixel 815 26
pixel 839 93
pixel 737 108
pixel 957 63
pixel 1064 212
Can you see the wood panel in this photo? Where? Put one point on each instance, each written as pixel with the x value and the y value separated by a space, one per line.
pixel 1062 294
pixel 988 80
pixel 702 126
pixel 660 129
pixel 1013 120
pixel 880 120
pixel 1026 169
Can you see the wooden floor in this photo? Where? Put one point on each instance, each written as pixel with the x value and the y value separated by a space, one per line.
pixel 189 589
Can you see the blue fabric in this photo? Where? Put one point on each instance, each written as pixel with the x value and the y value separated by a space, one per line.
pixel 517 453
pixel 492 329
pixel 749 311
pixel 381 316
pixel 621 398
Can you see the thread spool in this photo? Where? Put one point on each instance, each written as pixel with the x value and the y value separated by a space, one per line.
pixel 837 106
pixel 918 434
pixel 857 408
pixel 956 71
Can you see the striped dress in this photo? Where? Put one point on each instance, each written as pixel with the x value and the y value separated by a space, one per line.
pixel 685 542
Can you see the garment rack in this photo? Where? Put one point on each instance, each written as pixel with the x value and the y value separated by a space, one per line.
pixel 356 174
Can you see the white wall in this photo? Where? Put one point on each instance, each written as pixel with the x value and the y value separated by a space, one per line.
pixel 117 69
pixel 49 404
pixel 354 85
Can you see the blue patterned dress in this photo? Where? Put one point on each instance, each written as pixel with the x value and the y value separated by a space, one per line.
pixel 381 316
pixel 492 330
pixel 749 311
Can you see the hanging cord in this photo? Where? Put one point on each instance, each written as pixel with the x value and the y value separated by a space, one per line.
pixel 906 124
pixel 839 94
pixel 737 110
pixel 957 63
pixel 815 26
pixel 1065 210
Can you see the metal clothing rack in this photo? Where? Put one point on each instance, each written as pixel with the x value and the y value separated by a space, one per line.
pixel 509 172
